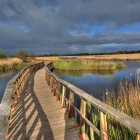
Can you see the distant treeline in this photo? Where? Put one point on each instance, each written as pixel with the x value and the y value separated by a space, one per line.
pixel 81 54
pixel 23 54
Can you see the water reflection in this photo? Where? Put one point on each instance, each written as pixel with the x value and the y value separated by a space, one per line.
pixel 82 72
pixel 97 82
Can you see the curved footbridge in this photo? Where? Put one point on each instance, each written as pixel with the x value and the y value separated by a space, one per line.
pixel 37 105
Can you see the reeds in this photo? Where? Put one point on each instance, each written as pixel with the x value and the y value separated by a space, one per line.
pixel 127 99
pixel 87 65
pixel 10 61
pixel 12 67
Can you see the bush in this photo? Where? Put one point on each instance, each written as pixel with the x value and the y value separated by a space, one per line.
pixel 4 68
pixel 2 55
pixel 18 67
pixel 22 55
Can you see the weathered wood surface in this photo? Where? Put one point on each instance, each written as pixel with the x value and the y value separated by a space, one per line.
pixel 102 108
pixel 39 116
pixel 12 92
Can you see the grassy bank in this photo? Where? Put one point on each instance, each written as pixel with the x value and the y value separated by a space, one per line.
pixel 12 67
pixel 11 64
pixel 10 61
pixel 87 65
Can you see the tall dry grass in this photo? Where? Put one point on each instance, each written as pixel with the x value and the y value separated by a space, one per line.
pixel 110 57
pixel 127 99
pixel 133 57
pixel 10 61
pixel 11 64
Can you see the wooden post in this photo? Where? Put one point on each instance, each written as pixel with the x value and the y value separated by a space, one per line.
pixel 71 99
pixel 138 137
pixel 103 126
pixel 91 133
pixel 83 112
pixel 51 83
pixel 54 87
pixel 71 102
pixel 63 96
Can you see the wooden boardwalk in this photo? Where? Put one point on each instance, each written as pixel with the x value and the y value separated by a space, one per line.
pixel 38 116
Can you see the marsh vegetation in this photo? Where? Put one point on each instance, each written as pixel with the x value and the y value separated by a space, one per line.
pixel 123 94
pixel 87 65
pixel 127 99
pixel 13 67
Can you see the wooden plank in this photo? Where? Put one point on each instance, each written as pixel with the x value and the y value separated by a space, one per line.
pixel 91 133
pixel 39 115
pixel 63 95
pixel 103 126
pixel 138 137
pixel 83 112
pixel 115 114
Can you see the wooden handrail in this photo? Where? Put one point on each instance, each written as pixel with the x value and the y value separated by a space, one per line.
pixel 12 93
pixel 104 109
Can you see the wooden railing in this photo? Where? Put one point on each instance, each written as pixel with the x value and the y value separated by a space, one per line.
pixel 12 93
pixel 96 119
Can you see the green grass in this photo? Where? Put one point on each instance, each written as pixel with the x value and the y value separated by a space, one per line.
pixel 14 67
pixel 87 65
pixel 116 131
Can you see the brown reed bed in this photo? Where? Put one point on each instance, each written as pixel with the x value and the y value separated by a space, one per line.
pixel 127 99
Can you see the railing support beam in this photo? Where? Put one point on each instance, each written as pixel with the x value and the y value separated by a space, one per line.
pixel 103 126
pixel 63 96
pixel 138 137
pixel 83 112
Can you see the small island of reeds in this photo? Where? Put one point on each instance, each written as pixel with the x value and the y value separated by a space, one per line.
pixel 87 65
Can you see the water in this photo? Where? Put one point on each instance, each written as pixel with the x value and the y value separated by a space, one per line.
pixel 96 83
pixel 92 82
pixel 4 78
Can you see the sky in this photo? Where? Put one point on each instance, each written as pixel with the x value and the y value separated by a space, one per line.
pixel 69 26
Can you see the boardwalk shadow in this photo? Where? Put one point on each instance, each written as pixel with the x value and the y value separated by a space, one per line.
pixel 29 119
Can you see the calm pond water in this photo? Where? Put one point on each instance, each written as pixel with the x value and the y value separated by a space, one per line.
pixel 4 78
pixel 96 83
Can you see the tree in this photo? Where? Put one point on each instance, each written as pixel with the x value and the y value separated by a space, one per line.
pixel 2 55
pixel 22 55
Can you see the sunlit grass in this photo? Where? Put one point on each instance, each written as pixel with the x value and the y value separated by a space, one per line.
pixel 12 67
pixel 10 61
pixel 11 64
pixel 127 99
pixel 87 65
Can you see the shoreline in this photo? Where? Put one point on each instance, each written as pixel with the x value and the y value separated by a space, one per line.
pixel 6 68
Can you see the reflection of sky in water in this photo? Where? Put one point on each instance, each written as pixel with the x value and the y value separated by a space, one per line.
pixel 3 82
pixel 97 84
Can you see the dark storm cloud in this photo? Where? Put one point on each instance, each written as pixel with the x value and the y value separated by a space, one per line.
pixel 43 25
